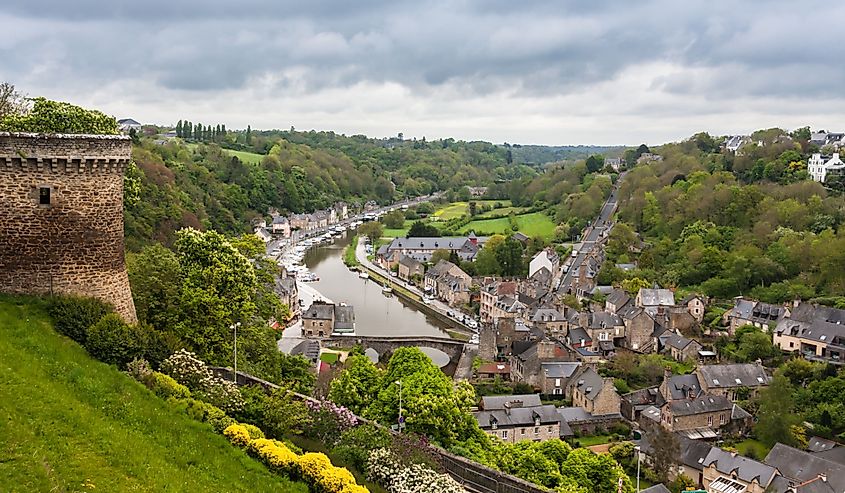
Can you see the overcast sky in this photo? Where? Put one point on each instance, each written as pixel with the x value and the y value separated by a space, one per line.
pixel 579 72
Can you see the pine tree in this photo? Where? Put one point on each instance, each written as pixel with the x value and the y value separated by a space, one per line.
pixel 217 133
pixel 223 128
pixel 179 129
pixel 186 129
pixel 198 131
pixel 248 135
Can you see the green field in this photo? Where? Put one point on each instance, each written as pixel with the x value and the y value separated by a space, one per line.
pixel 70 423
pixel 451 211
pixel 534 224
pixel 247 157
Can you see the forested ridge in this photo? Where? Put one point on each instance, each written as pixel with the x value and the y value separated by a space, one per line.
pixel 728 225
pixel 204 186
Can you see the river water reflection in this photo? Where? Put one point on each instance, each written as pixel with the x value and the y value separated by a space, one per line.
pixel 375 313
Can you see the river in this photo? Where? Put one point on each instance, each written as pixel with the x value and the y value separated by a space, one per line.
pixel 376 314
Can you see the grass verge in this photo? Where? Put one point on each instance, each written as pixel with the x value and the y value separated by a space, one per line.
pixel 349 257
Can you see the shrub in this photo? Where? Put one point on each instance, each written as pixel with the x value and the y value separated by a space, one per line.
pixel 111 340
pixel 188 370
pixel 384 469
pixel 254 432
pixel 139 369
pixel 165 387
pixel 356 443
pixel 276 455
pixel 218 419
pixel 328 420
pixel 74 315
pixel 49 116
pixel 237 435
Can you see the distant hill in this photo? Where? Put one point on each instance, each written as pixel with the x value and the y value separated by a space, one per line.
pixel 539 155
pixel 71 423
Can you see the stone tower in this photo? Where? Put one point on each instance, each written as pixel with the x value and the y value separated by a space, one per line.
pixel 61 216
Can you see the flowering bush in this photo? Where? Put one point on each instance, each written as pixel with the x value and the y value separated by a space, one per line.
pixel 328 420
pixel 254 432
pixel 164 386
pixel 190 371
pixel 237 434
pixel 139 369
pixel 386 470
pixel 275 455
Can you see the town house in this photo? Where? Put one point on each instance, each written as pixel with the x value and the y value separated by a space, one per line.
pixel 410 267
pixel 547 258
pixel 490 294
pixel 516 418
pixel 740 381
pixel 815 332
pixel 756 313
pixel 594 394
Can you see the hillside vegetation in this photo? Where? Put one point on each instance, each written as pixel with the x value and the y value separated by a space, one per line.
pixel 71 423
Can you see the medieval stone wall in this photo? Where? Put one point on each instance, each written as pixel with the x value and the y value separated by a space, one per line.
pixel 74 243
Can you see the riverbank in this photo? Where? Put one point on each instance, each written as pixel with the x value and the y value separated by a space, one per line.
pixel 349 257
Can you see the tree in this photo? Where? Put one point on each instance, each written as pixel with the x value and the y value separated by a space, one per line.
pixel 372 230
pixel 775 416
pixel 472 207
pixel 633 285
pixel 384 190
pixel 509 256
pixel 754 344
pixel 154 277
pixel 594 163
pixel 425 208
pixel 440 254
pixel 394 219
pixel 665 451
pixel 420 229
pixel 179 129
pixel 248 137
pixel 358 384
pixel 11 101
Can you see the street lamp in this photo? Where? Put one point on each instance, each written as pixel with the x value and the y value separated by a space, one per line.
pixel 401 419
pixel 234 327
pixel 637 449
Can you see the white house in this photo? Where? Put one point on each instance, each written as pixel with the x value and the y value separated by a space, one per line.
pixel 734 142
pixel 128 124
pixel 820 166
pixel 547 258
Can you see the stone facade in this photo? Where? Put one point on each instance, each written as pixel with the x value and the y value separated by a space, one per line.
pixel 61 223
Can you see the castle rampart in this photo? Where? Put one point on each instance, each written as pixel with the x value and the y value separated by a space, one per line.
pixel 61 216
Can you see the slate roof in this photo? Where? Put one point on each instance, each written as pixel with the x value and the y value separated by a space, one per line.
pixel 658 488
pixel 680 386
pixel 756 311
pixel 576 334
pixel 493 402
pixel 440 268
pixel 344 317
pixel 432 243
pixel 808 312
pixel 280 220
pixel 547 315
pixel 815 330
pixel 602 320
pixel 589 383
pixel 819 444
pixel 542 275
pixel 733 375
pixel 703 404
pixel 618 297
pixel 657 297
pixel 578 414
pixel 321 311
pixel 518 416
pixel 678 342
pixel 410 262
pixel 804 466
pixel 560 370
pixel 309 349
pixel 746 469
pixel 836 454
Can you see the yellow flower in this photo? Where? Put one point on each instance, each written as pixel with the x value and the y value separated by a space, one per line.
pixel 237 434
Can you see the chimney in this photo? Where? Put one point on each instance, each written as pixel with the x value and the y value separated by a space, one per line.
pixel 545 350
pixel 664 386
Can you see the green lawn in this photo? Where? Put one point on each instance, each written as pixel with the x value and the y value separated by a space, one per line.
pixel 330 358
pixel 70 423
pixel 593 440
pixel 534 224
pixel 349 257
pixel 760 451
pixel 503 210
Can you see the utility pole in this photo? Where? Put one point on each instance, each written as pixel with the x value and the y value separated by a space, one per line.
pixel 234 327
pixel 637 449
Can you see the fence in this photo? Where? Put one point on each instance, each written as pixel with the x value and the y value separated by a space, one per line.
pixel 471 474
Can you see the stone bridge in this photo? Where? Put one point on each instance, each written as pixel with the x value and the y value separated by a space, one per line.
pixel 386 345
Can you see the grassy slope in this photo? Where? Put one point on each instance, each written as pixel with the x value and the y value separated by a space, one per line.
pixel 68 419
